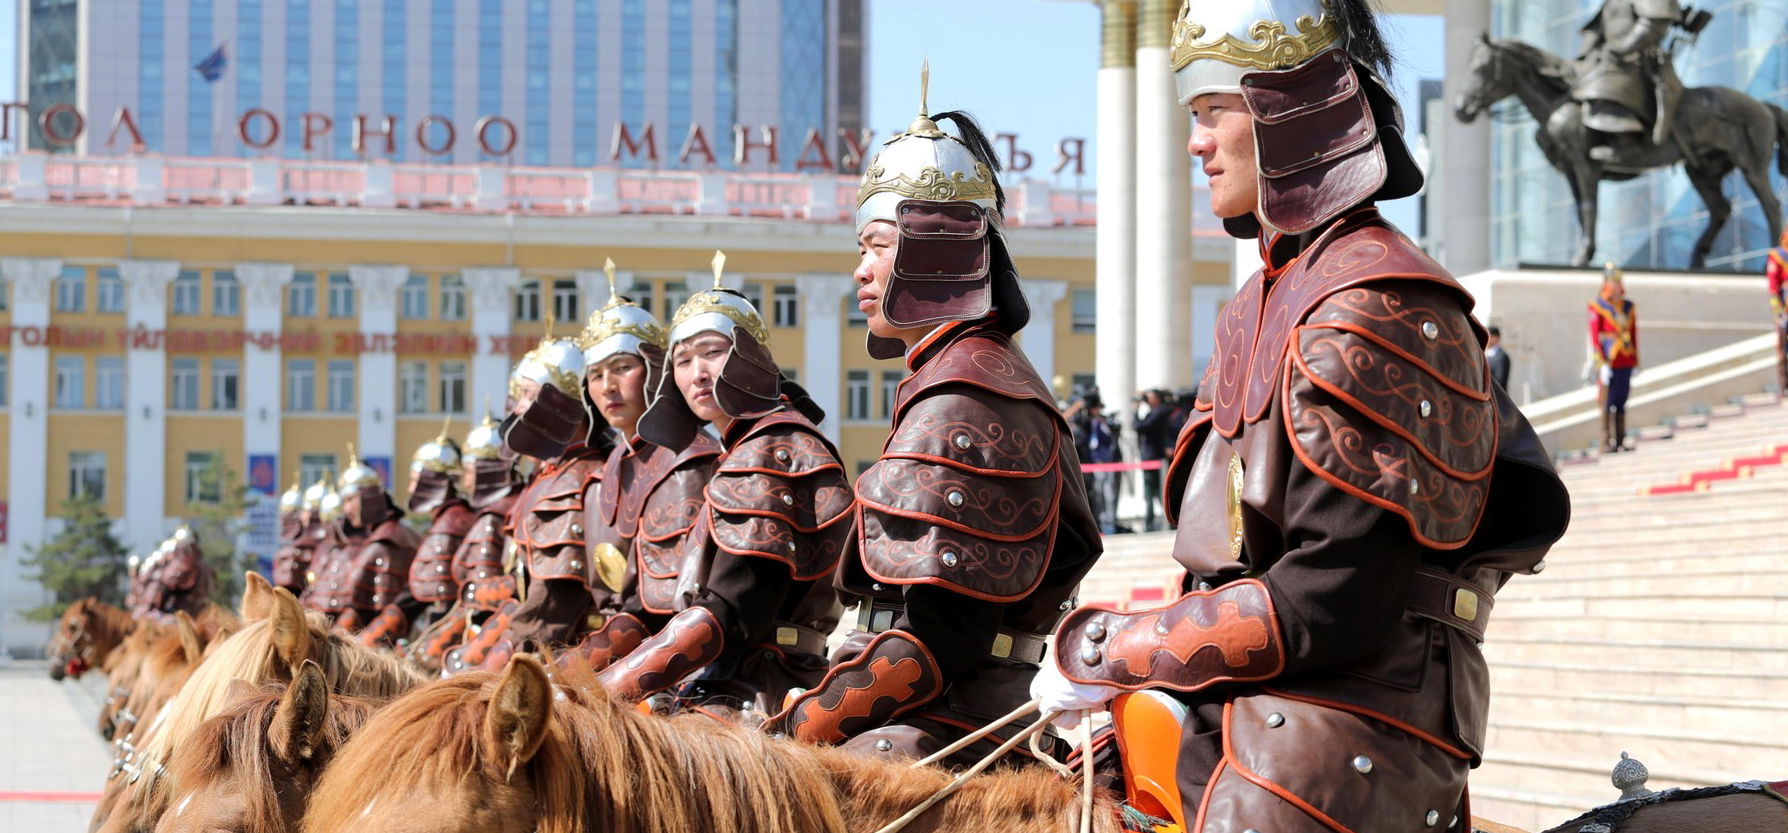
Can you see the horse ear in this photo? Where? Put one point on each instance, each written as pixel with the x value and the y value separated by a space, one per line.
pixel 298 722
pixel 257 598
pixel 1484 38
pixel 515 724
pixel 190 643
pixel 291 635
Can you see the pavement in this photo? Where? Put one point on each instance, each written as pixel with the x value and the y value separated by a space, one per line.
pixel 54 761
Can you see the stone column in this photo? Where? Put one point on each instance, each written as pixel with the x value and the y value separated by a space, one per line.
pixel 822 323
pixel 1163 211
pixel 1039 335
pixel 376 379
pixel 491 289
pixel 1115 339
pixel 263 377
pixel 1463 180
pixel 145 401
pixel 28 403
pixel 704 279
pixel 592 289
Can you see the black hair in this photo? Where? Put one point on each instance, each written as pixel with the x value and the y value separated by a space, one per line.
pixel 1365 40
pixel 1496 331
pixel 976 140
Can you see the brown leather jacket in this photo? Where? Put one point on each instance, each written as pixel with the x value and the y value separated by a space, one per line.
pixel 431 573
pixel 478 567
pixel 548 522
pixel 651 499
pixel 292 558
pixel 380 571
pixel 331 587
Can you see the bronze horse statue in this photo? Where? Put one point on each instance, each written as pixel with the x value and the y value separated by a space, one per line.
pixel 1719 130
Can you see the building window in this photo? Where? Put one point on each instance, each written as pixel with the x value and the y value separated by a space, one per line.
pixel 453 387
pixel 108 383
pixel 1086 310
pixel 226 293
pixel 754 292
pixel 527 301
pixel 201 484
pixel 413 298
pixel 71 382
pixel 186 294
pixel 857 395
pixel 301 296
pixel 109 296
pixel 863 466
pixel 341 386
pixel 184 395
pixel 87 474
pixel 71 290
pixel 341 296
pixel 453 298
pixel 674 297
pixel 565 300
pixel 641 293
pixel 5 381
pixel 1083 382
pixel 301 384
pixel 226 381
pixel 315 467
pixel 854 315
pixel 793 374
pixel 412 387
pixel 890 387
pixel 788 303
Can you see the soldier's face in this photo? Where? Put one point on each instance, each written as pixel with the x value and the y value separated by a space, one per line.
pixel 875 264
pixel 1223 140
pixel 350 507
pixel 618 387
pixel 468 476
pixel 695 364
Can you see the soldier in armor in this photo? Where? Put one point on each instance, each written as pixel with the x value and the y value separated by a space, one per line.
pixel 378 571
pixel 492 483
pixel 973 529
pixel 1625 82
pixel 1777 273
pixel 173 578
pixel 434 476
pixel 293 556
pixel 1614 338
pixel 754 599
pixel 325 540
pixel 1351 489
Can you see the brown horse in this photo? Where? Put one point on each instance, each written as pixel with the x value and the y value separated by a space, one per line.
pixel 85 636
pixel 122 668
pixel 512 753
pixel 253 766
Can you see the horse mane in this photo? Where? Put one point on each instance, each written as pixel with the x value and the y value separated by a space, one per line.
pixel 236 740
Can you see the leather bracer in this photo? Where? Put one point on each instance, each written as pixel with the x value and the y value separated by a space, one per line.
pixel 1230 634
pixel 389 626
pixel 441 637
pixel 894 674
pixel 350 620
pixel 689 641
pixel 619 636
pixel 488 636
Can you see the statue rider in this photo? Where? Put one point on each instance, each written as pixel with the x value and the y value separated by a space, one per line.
pixel 1625 80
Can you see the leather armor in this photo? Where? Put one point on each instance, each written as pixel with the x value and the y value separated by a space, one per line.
pixel 688 642
pixel 292 559
pixel 380 570
pixel 478 566
pixel 894 674
pixel 332 589
pixel 432 579
pixel 658 503
pixel 781 493
pixel 548 525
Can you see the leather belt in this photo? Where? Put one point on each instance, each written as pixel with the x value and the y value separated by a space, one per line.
pixel 796 639
pixel 878 615
pixel 1450 600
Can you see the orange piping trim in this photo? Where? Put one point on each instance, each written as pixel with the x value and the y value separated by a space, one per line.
pixel 1393 427
pixel 1267 784
pixel 1375 715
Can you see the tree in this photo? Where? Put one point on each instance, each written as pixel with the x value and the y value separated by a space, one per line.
pixel 217 516
pixel 84 559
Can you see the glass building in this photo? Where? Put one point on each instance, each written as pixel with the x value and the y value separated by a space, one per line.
pixel 1651 221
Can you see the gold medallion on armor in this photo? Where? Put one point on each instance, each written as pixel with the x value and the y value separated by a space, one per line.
pixel 1235 506
pixel 611 565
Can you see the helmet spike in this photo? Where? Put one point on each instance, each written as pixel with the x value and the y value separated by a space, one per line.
pixel 353 458
pixel 719 264
pixel 446 425
pixel 924 87
pixel 614 293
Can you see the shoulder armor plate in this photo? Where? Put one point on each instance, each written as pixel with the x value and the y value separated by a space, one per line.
pixel 781 493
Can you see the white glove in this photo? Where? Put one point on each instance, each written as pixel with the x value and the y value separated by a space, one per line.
pixel 1058 693
pixel 1607 374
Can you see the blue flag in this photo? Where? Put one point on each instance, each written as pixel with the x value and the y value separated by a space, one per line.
pixel 212 67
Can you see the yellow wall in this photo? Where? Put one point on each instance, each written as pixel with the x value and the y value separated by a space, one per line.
pixel 84 432
pixel 199 432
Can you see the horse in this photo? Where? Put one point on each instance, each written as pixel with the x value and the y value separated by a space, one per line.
pixel 1719 130
pixel 252 767
pixel 122 667
pixel 512 753
pixel 85 636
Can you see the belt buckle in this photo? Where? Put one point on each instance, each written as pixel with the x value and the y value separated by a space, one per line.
pixel 787 637
pixel 1002 646
pixel 1465 604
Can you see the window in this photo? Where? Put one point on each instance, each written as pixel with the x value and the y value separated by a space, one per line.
pixel 453 387
pixel 641 293
pixel 301 384
pixel 314 467
pixel 453 298
pixel 301 296
pixel 854 315
pixel 412 387
pixel 527 301
pixel 226 382
pixel 185 383
pixel 1086 310
pixel 201 482
pixel 674 297
pixel 565 300
pixel 186 294
pixel 5 382
pixel 71 290
pixel 1083 382
pixel 108 383
pixel 71 382
pixel 754 292
pixel 793 373
pixel 87 474
pixel 341 296
pixel 110 294
pixel 413 298
pixel 341 386
pixel 788 304
pixel 226 293
pixel 890 385
pixel 857 395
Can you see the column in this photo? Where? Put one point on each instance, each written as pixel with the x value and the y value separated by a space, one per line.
pixel 704 279
pixel 592 289
pixel 263 284
pixel 1115 243
pixel 1464 170
pixel 490 293
pixel 145 401
pixel 28 403
pixel 376 379
pixel 1039 335
pixel 822 322
pixel 1163 211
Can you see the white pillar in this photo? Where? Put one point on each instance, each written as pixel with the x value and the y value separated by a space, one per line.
pixel 262 376
pixel 822 321
pixel 1163 212
pixel 1039 335
pixel 491 288
pixel 1245 263
pixel 592 289
pixel 1115 243
pixel 145 401
pixel 376 394
pixel 28 402
pixel 1463 244
pixel 704 279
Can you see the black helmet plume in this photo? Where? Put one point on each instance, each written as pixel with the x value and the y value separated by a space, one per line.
pixel 977 143
pixel 1365 40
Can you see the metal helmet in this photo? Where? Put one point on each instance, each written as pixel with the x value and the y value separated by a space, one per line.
pixel 440 455
pixel 925 163
pixel 313 496
pixel 555 361
pixel 484 441
pixel 718 309
pixel 292 499
pixel 621 326
pixel 358 475
pixel 329 508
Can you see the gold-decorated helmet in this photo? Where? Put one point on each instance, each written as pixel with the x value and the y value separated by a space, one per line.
pixel 437 455
pixel 313 496
pixel 554 361
pixel 718 309
pixel 292 499
pixel 329 508
pixel 925 163
pixel 621 326
pixel 358 475
pixel 484 441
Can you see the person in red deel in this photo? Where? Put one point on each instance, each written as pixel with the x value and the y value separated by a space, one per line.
pixel 1614 335
pixel 1777 272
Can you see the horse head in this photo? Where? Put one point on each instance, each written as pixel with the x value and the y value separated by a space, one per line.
pixel 70 642
pixel 1501 68
pixel 1488 80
